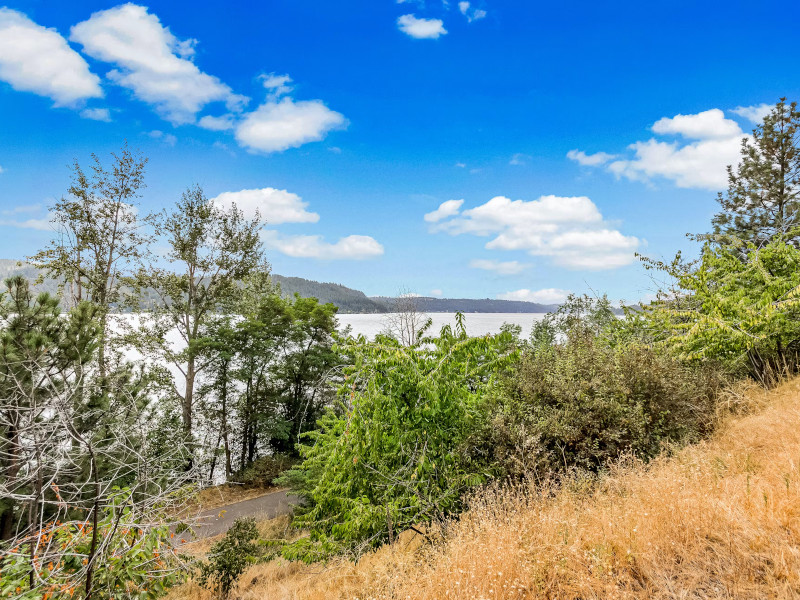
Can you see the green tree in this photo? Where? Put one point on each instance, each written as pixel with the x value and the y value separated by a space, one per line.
pixel 395 455
pixel 210 252
pixel 763 196
pixel 307 358
pixel 41 362
pixel 741 313
pixel 100 238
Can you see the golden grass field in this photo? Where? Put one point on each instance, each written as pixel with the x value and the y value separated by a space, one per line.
pixel 719 519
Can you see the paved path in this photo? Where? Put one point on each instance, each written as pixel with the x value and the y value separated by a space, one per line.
pixel 218 520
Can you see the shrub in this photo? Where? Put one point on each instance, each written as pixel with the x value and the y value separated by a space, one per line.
pixel 579 398
pixel 263 471
pixel 737 305
pixel 230 556
pixel 394 456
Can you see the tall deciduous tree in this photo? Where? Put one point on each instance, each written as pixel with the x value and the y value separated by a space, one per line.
pixel 763 196
pixel 100 237
pixel 210 251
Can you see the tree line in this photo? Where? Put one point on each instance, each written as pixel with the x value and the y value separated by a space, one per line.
pixel 92 442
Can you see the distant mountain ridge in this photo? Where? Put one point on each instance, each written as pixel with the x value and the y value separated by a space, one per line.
pixel 348 300
pixel 470 305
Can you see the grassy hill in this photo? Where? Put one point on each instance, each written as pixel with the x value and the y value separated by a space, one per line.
pixel 718 519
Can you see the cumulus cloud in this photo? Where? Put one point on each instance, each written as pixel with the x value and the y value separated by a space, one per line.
pixel 472 14
pixel 152 63
pixel 39 60
pixel 545 296
pixel 275 206
pixel 707 143
pixel 569 230
pixel 96 114
pixel 446 209
pixel 352 247
pixel 511 267
pixel 278 125
pixel 707 125
pixel 754 114
pixel 590 160
pixel 429 29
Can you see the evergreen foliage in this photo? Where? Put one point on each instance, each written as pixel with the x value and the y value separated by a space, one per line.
pixel 763 196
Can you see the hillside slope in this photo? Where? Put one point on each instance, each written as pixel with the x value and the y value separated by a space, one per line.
pixel 720 519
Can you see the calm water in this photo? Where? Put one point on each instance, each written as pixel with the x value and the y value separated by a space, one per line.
pixel 476 323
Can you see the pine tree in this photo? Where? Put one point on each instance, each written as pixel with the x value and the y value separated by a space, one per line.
pixel 763 196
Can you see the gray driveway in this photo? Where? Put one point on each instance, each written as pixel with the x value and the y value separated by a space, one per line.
pixel 218 520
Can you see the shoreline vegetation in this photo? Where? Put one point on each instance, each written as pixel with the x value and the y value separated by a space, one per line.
pixel 651 456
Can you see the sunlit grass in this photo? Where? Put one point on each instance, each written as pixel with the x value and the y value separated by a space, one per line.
pixel 719 519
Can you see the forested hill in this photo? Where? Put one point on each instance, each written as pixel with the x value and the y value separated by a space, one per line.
pixel 348 300
pixel 472 305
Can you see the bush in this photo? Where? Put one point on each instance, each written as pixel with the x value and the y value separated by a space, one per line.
pixel 263 471
pixel 394 456
pixel 230 556
pixel 579 400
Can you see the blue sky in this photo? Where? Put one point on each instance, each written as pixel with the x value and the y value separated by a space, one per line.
pixel 494 148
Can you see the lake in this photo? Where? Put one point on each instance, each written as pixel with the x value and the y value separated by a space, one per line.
pixel 477 324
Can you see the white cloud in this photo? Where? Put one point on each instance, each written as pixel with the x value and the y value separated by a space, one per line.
pixel 461 165
pixel 446 209
pixel 222 123
pixel 519 159
pixel 167 138
pixel 96 114
pixel 754 114
pixel 274 206
pixel 707 125
pixel 569 230
pixel 437 292
pixel 279 125
pixel 511 267
pixel 545 296
pixel 472 14
pixel 152 62
pixel 714 143
pixel 278 85
pixel 590 160
pixel 429 29
pixel 44 224
pixel 39 60
pixel 1 169
pixel 24 208
pixel 352 247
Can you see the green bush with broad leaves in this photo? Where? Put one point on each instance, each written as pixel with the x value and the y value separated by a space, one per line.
pixel 737 305
pixel 395 455
pixel 230 556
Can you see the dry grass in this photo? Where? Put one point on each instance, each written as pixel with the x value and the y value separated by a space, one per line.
pixel 720 519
